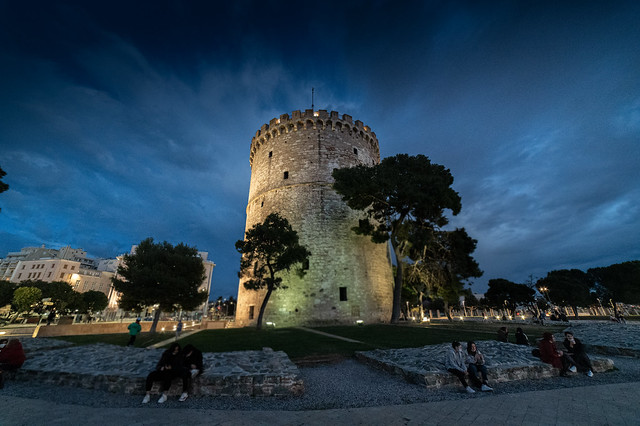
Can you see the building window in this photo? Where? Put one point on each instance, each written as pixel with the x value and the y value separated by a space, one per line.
pixel 23 266
pixel 270 154
pixel 355 151
pixel 73 267
pixel 62 275
pixel 286 175
pixel 251 312
pixel 52 265
pixel 33 266
pixel 262 204
pixel 355 311
pixel 343 294
pixel 29 276
pixel 65 266
pixel 49 276
pixel 19 276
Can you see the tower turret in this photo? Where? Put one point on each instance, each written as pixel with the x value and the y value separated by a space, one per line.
pixel 348 277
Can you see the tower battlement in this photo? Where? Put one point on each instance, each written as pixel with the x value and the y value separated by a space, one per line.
pixel 310 119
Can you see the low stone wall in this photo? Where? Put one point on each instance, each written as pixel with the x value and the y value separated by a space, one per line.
pixel 124 369
pixel 504 361
pixel 103 328
pixel 607 338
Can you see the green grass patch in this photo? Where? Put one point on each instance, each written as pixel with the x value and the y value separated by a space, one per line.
pixel 298 344
pixel 142 341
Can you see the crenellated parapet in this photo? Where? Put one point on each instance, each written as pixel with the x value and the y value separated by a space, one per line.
pixel 309 119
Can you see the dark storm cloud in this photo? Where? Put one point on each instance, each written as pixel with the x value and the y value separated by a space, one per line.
pixel 123 120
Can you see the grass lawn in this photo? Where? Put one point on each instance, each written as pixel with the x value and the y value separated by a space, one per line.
pixel 299 344
pixel 121 339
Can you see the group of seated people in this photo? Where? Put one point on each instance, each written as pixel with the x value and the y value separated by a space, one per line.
pixel 175 363
pixel 11 357
pixel 468 365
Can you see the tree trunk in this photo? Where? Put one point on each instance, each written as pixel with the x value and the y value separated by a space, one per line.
pixel 447 309
pixel 397 287
pixel 262 308
pixel 154 324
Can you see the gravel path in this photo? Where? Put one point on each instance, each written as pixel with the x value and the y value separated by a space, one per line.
pixel 346 384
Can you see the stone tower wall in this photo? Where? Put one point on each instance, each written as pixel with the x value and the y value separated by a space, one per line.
pixel 292 159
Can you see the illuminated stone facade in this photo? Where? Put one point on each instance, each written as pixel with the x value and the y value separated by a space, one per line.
pixel 349 278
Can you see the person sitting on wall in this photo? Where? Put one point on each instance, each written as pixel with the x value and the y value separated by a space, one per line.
pixel 575 349
pixel 551 355
pixel 521 338
pixel 454 363
pixel 11 358
pixel 476 364
pixel 168 368
pixel 503 334
pixel 192 367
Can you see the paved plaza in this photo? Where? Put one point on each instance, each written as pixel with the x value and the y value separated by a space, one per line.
pixel 614 404
pixel 608 399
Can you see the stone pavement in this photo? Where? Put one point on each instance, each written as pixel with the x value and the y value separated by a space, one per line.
pixel 611 404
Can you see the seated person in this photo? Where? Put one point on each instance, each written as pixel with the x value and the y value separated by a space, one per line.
pixel 575 349
pixel 521 338
pixel 503 334
pixel 168 368
pixel 475 364
pixel 192 360
pixel 454 363
pixel 192 363
pixel 11 358
pixel 551 355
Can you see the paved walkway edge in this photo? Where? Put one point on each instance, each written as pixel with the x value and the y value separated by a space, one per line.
pixel 611 404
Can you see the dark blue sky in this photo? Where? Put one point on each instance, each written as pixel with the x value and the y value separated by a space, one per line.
pixel 123 120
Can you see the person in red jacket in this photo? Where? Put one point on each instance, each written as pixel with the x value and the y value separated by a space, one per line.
pixel 11 358
pixel 551 355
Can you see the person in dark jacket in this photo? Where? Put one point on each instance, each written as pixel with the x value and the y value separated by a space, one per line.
pixel 575 349
pixel 11 358
pixel 168 368
pixel 521 338
pixel 192 362
pixel 551 355
pixel 503 334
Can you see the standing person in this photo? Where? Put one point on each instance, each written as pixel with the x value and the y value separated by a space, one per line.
pixel 454 363
pixel 134 330
pixel 51 317
pixel 551 355
pixel 521 338
pixel 575 349
pixel 178 329
pixel 475 363
pixel 503 334
pixel 192 361
pixel 11 358
pixel 168 368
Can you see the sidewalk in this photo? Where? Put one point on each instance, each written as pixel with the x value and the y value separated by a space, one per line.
pixel 613 404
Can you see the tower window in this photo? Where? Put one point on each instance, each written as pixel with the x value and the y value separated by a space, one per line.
pixel 343 294
pixel 286 175
pixel 355 151
pixel 270 154
pixel 251 312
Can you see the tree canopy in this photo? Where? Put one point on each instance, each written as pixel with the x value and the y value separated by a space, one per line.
pixel 619 282
pixel 504 293
pixel 269 248
pixel 3 186
pixel 25 297
pixel 162 274
pixel 567 287
pixel 94 301
pixel 401 193
pixel 442 261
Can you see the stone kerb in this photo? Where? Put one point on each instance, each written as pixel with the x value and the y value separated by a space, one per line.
pixel 425 366
pixel 124 369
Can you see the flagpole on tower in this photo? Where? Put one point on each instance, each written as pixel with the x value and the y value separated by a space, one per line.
pixel 312 90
